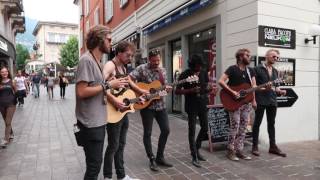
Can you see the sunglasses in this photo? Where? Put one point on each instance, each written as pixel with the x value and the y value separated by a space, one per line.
pixel 275 57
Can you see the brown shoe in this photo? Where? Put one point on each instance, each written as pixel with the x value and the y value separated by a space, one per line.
pixel 241 155
pixel 232 155
pixel 275 150
pixel 255 151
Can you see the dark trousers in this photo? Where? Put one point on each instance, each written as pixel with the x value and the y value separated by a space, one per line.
pixel 62 91
pixel 271 115
pixel 21 94
pixel 203 133
pixel 161 117
pixel 117 134
pixel 93 149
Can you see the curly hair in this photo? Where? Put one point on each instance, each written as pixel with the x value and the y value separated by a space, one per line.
pixel 96 36
pixel 241 52
pixel 123 46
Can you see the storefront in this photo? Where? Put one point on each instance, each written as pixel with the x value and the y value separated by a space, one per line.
pixel 7 54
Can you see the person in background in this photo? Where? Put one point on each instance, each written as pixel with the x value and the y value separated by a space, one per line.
pixel 196 95
pixel 236 75
pixel 90 103
pixel 22 86
pixel 63 82
pixel 148 73
pixel 7 103
pixel 36 81
pixel 267 101
pixel 51 84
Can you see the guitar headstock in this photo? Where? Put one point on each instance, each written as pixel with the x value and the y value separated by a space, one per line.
pixel 191 79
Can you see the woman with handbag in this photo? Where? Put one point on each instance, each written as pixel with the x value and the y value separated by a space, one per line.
pixel 7 103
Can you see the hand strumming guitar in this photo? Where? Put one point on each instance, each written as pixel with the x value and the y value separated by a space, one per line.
pixel 118 83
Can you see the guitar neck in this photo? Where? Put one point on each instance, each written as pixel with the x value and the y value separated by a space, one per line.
pixel 258 87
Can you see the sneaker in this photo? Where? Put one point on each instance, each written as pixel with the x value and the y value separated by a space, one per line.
pixel 232 156
pixel 3 143
pixel 241 155
pixel 128 178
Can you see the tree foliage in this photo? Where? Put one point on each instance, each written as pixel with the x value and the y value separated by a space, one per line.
pixel 69 53
pixel 22 56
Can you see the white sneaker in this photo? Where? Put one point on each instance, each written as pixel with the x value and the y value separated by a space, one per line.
pixel 128 178
pixel 3 143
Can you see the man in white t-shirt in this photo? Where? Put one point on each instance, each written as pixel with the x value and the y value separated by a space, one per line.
pixel 22 88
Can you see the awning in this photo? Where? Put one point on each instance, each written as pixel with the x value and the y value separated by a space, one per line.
pixel 185 10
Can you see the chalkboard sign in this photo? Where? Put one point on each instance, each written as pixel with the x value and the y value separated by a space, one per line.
pixel 218 123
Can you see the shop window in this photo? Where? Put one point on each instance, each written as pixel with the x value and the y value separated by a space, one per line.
pixel 123 3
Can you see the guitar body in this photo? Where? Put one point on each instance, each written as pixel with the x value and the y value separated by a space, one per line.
pixel 149 87
pixel 113 114
pixel 230 103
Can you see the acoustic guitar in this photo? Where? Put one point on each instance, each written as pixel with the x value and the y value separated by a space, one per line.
pixel 231 103
pixel 157 90
pixel 128 97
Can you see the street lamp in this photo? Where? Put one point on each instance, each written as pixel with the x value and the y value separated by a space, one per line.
pixel 314 31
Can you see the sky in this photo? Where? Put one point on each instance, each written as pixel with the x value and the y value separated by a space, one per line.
pixel 52 10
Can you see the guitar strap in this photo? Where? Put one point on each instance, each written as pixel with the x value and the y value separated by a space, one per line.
pixel 249 75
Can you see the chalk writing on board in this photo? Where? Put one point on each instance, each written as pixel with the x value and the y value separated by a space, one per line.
pixel 218 121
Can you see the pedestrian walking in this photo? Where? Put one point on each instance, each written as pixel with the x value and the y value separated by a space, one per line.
pixel 90 103
pixel 148 73
pixel 36 81
pixel 117 132
pixel 237 75
pixel 51 84
pixel 22 88
pixel 7 103
pixel 63 82
pixel 196 95
pixel 267 101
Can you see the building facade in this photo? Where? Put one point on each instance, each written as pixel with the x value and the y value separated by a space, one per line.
pixel 216 29
pixel 12 21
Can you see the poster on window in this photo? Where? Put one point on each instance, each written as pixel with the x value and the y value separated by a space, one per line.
pixel 286 70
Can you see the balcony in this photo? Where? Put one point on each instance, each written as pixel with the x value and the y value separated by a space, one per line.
pixel 17 20
pixel 12 6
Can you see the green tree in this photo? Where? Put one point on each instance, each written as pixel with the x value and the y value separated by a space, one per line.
pixel 69 53
pixel 22 56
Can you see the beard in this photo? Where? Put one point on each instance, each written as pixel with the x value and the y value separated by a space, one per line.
pixel 104 49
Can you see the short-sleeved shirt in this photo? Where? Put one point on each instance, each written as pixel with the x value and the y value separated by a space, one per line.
pixel 20 83
pixel 237 76
pixel 145 74
pixel 268 97
pixel 91 111
pixel 195 102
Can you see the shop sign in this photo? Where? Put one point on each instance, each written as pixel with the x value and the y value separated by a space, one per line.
pixel 277 37
pixel 3 45
pixel 188 10
pixel 287 100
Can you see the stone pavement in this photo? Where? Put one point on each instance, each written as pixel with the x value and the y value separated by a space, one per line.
pixel 44 148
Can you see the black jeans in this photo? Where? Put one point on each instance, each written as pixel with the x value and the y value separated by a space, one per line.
pixel 271 115
pixel 62 91
pixel 21 94
pixel 93 149
pixel 161 117
pixel 117 134
pixel 203 133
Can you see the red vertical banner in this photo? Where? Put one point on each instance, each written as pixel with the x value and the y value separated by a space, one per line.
pixel 212 56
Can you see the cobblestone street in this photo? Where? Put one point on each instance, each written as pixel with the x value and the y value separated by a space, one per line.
pixel 44 148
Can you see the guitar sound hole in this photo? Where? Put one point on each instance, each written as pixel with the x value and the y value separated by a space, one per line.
pixel 126 102
pixel 152 91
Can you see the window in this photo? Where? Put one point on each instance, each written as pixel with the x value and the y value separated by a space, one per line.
pixel 87 26
pixel 123 3
pixel 108 9
pixel 57 38
pixel 96 17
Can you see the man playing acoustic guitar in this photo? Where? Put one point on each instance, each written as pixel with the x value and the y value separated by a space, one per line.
pixel 196 95
pixel 148 73
pixel 117 132
pixel 267 101
pixel 237 75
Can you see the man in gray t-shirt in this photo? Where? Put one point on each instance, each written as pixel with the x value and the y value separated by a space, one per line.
pixel 90 105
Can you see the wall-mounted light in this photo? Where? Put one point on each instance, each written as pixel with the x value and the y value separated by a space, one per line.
pixel 314 31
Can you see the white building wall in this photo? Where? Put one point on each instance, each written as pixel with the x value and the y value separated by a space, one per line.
pixel 301 121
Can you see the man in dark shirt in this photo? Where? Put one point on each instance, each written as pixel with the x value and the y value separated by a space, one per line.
pixel 267 100
pixel 237 75
pixel 196 95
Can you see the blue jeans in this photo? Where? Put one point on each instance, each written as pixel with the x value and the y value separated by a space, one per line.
pixel 93 149
pixel 117 134
pixel 37 86
pixel 161 117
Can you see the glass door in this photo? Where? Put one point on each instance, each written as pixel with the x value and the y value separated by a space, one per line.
pixel 176 71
